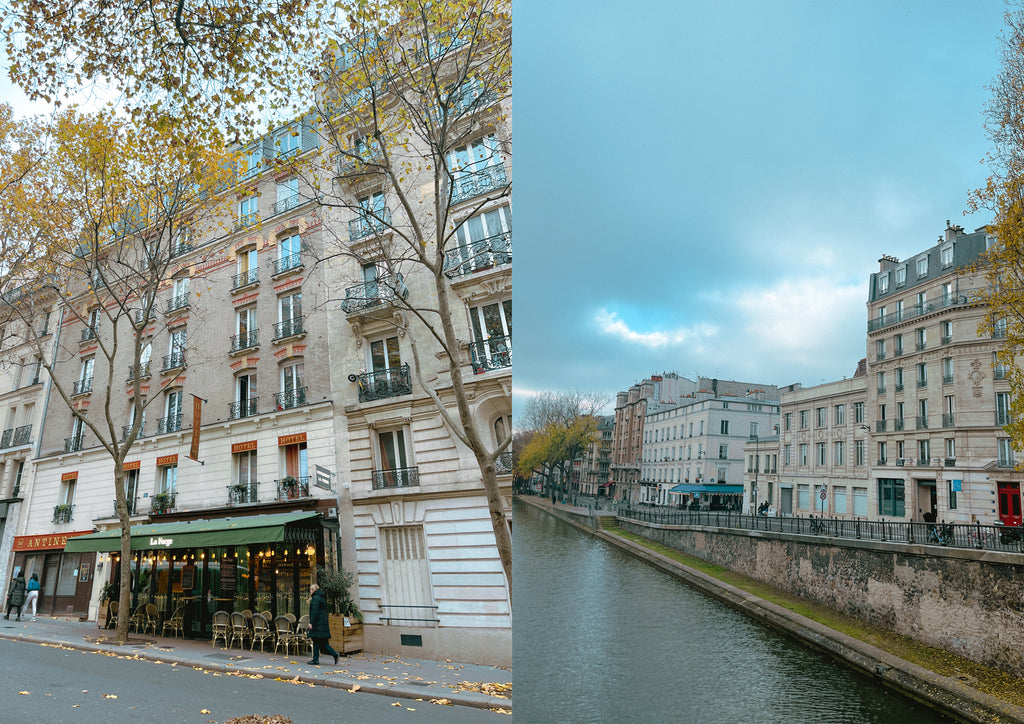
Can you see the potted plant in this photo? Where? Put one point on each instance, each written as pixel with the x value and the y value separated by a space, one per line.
pixel 161 502
pixel 344 617
pixel 288 486
pixel 61 513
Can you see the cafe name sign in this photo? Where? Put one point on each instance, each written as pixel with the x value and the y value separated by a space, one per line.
pixel 165 542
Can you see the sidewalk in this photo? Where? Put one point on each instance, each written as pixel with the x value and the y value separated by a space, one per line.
pixel 459 684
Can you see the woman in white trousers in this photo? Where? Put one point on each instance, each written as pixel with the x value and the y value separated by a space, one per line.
pixel 32 590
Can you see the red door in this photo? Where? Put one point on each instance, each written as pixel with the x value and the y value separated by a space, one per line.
pixel 1009 503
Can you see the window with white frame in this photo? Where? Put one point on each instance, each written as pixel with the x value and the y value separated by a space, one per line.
pixel 167 482
pixel 293 391
pixel 177 343
pixel 858 412
pixel 950 448
pixel 482 241
pixel 901 275
pixel 858 451
pixel 171 421
pixel 724 427
pixel 245 476
pixel 819 449
pixel 245 395
pixel 1002 408
pixel 753 429
pixel 84 382
pixel 840 414
pixel 883 283
pixel 492 335
pixel 373 216
pixel 1005 452
pixel 723 452
pixel 946 256
pixel 923 452
pixel 839 496
pixel 251 160
pixel 882 453
pixel 839 453
pixel 787 454
pixel 393 458
pixel 803 453
pixel 921 302
pixel 248 267
pixel 289 251
pixel 922 266
pixel 476 168
pixel 290 307
pixel 288 142
pixel 787 421
pixel 246 330
pixel 248 211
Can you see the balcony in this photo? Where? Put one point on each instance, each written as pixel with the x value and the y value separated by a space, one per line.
pixel 382 384
pixel 922 346
pixel 899 388
pixel 7 437
pixel 162 503
pixel 88 334
pixel 62 513
pixel 950 462
pixel 369 222
pixel 73 444
pixel 288 328
pixel 466 185
pixel 898 352
pixel 244 222
pixel 82 387
pixel 998 373
pixel 125 429
pixel 952 300
pixel 478 255
pixel 880 425
pixel 922 382
pixel 492 354
pixel 242 493
pixel 133 506
pixel 948 379
pixel 178 302
pixel 1002 418
pixel 947 419
pixel 923 462
pixel 897 424
pixel 880 356
pixel 292 488
pixel 287 263
pixel 242 408
pixel 289 399
pixel 174 361
pixel 182 247
pixel 248 340
pixel 22 435
pixel 881 389
pixel 171 423
pixel 397 478
pixel 945 339
pixel 922 422
pixel 246 278
pixel 368 295
pixel 287 204
pixel 143 369
pixel 503 463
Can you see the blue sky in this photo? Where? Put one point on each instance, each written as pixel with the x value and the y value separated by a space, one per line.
pixel 705 186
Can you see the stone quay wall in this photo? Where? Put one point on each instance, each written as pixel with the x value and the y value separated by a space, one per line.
pixel 964 601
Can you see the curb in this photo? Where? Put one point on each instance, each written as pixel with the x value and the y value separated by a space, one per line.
pixel 425 693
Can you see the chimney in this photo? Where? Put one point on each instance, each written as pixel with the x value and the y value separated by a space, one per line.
pixel 953 231
pixel 887 262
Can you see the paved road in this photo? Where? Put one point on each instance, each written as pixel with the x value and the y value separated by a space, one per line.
pixel 68 685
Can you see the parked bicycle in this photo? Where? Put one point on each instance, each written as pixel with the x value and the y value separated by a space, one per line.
pixel 1011 535
pixel 941 534
pixel 817 526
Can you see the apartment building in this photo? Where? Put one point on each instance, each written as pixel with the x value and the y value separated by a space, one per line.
pixel 936 400
pixel 692 453
pixel 593 469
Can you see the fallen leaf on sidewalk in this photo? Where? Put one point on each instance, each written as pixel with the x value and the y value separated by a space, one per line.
pixel 26 693
pixel 354 689
pixel 396 704
pixel 442 702
pixel 204 711
pixel 110 696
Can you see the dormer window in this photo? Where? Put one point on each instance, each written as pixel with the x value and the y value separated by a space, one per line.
pixel 922 266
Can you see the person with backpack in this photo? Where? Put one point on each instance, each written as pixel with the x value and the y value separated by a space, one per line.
pixel 33 595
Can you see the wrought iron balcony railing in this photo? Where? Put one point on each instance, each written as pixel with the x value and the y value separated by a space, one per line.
pixel 73 444
pixel 171 423
pixel 22 435
pixel 62 513
pixel 7 437
pixel 178 302
pixel 174 361
pixel 921 346
pixel 245 341
pixel 243 492
pixel 948 379
pixel 286 204
pixel 484 254
pixel 879 356
pixel 922 422
pixel 369 222
pixel 143 369
pixel 1002 419
pixel 491 354
pixel 947 419
pixel 998 373
pixel 397 478
pixel 376 293
pixel 288 400
pixel 162 502
pixel 945 339
pixel 503 463
pixel 288 328
pixel 244 222
pixel 245 279
pixel 242 408
pixel 132 503
pixel 475 183
pixel 922 382
pixel 292 488
pixel 880 425
pixel 82 386
pixel 897 424
pixel 88 334
pixel 287 263
pixel 899 388
pixel 125 429
pixel 382 384
pixel 181 247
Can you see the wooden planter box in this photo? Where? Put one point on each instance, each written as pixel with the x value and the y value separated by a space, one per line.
pixel 345 639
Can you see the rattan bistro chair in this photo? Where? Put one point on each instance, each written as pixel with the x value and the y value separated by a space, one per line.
pixel 302 640
pixel 152 618
pixel 176 622
pixel 239 629
pixel 138 618
pixel 221 627
pixel 112 614
pixel 285 635
pixel 261 631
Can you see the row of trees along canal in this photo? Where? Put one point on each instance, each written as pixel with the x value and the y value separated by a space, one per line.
pixel 559 427
pixel 95 206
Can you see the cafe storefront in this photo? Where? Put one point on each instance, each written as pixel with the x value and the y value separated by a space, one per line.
pixel 66 577
pixel 255 563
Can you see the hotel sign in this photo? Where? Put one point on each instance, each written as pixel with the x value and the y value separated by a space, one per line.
pixel 69 476
pixel 134 465
pixel 44 542
pixel 167 460
pixel 239 447
pixel 291 439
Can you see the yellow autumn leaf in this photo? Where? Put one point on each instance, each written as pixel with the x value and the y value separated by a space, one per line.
pixel 204 711
pixel 24 692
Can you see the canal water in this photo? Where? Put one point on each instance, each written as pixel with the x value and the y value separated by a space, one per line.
pixel 602 637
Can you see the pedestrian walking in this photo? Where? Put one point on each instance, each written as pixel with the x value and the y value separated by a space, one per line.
pixel 33 596
pixel 16 596
pixel 319 630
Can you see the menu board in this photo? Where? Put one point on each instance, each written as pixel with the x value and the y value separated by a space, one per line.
pixel 188 575
pixel 228 575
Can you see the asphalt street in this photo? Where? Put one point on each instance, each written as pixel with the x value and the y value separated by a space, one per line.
pixel 47 684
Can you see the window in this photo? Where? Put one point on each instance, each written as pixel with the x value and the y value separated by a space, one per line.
pixel 883 283
pixel 1002 408
pixel 921 303
pixel 787 421
pixel 860 501
pixel 476 168
pixel 246 331
pixel 880 349
pixel 881 412
pixel 691 430
pixel 803 496
pixel 293 393
pixel 287 194
pixel 890 497
pixel 248 268
pixel 289 254
pixel 723 452
pixel 901 275
pixel 840 414
pixel 803 453
pixel 244 489
pixel 858 412
pixel 922 413
pixel 881 314
pixel 819 449
pixel 803 419
pixel 900 452
pixel 858 451
pixel 372 218
pixel 492 335
pixel 897 345
pixel 1005 453
pixel 84 383
pixel 287 143
pixel 394 468
pixel 171 421
pixel 700 427
pixel 922 338
pixel 820 414
pixel 839 453
pixel 999 328
pixel 881 382
pixel 248 211
pixel 67 493
pixel 899 381
pixel 922 266
pixel 290 307
pixel 922 374
pixel 724 427
pixel 946 330
pixel 839 496
pixel 947 293
pixel 882 454
pixel 998 369
pixel 952 495
pixel 245 396
pixel 753 429
pixel 482 241
pixel 179 294
pixel 899 310
pixel 250 162
pixel 923 452
pixel 946 256
pixel 168 480
pixel 787 454
pixel 177 343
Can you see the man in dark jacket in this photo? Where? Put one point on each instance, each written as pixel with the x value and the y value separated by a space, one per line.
pixel 16 596
pixel 320 630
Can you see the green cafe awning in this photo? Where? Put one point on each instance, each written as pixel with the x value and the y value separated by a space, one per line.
pixel 685 488
pixel 235 531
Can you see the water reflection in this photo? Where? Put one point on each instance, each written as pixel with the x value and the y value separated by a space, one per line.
pixel 602 637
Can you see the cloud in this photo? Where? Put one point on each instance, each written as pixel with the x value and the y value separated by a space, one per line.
pixel 611 324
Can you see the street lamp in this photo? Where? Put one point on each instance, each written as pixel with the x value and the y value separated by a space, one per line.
pixel 757 455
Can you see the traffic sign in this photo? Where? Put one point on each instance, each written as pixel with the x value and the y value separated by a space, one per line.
pixel 822 494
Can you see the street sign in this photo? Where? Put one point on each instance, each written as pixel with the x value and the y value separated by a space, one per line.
pixel 822 494
pixel 323 478
pixel 957 484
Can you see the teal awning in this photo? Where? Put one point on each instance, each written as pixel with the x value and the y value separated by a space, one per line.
pixel 234 531
pixel 688 488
